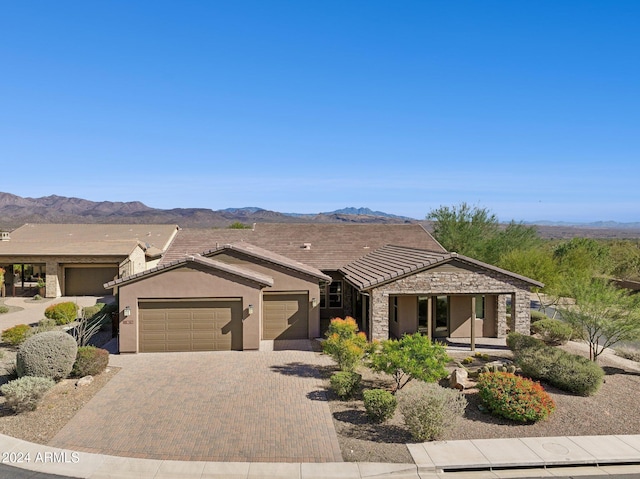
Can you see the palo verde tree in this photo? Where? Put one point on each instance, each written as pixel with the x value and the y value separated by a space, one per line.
pixel 603 315
pixel 476 232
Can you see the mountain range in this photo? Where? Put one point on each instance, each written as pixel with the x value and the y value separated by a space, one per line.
pixel 16 211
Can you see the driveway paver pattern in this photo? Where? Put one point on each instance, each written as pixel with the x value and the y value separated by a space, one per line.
pixel 211 406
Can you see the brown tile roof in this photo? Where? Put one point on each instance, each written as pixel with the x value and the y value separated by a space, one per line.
pixel 270 257
pixel 392 262
pixel 331 246
pixel 85 239
pixel 209 263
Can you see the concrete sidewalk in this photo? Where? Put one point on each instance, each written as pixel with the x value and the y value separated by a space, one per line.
pixel 594 456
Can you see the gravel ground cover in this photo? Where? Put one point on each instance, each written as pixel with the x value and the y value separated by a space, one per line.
pixel 613 410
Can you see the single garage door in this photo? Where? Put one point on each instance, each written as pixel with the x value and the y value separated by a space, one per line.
pixel 88 281
pixel 286 316
pixel 212 325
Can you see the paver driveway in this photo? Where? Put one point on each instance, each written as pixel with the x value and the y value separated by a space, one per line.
pixel 219 406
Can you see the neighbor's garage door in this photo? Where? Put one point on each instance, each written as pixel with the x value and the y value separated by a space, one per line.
pixel 88 281
pixel 214 325
pixel 286 316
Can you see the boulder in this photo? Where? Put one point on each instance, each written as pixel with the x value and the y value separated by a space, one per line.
pixel 85 381
pixel 459 379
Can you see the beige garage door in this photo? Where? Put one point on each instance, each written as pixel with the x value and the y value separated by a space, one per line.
pixel 286 316
pixel 88 281
pixel 214 325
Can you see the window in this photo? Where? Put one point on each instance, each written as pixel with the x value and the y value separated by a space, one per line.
pixel 335 294
pixel 393 308
pixel 480 306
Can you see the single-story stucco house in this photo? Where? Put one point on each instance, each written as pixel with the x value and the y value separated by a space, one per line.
pixel 225 289
pixel 77 259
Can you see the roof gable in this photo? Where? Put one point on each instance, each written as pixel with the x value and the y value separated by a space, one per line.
pixel 392 262
pixel 233 270
pixel 268 256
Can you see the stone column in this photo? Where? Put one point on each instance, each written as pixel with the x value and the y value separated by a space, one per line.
pixel 379 315
pixel 53 289
pixel 501 316
pixel 521 312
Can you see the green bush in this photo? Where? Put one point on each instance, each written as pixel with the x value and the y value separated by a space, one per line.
pixel 16 335
pixel 569 372
pixel 413 356
pixel 379 404
pixel 90 361
pixel 89 312
pixel 345 383
pixel 344 344
pixel 552 331
pixel 62 313
pixel 4 309
pixel 429 409
pixel 48 355
pixel 537 316
pixel 514 397
pixel 517 342
pixel 23 394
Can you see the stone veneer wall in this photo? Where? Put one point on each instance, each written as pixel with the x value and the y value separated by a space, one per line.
pixel 459 281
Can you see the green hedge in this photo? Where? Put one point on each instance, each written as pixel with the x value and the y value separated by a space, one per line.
pixel 62 313
pixel 379 404
pixel 345 383
pixel 16 335
pixel 552 331
pixel 517 342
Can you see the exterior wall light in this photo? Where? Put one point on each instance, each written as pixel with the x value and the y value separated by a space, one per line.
pixel 250 309
pixel 127 311
pixel 314 302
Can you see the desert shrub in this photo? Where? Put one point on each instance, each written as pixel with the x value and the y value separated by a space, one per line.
pixel 552 331
pixel 569 372
pixel 91 311
pixel 4 309
pixel 16 335
pixel 62 313
pixel 44 325
pixel 537 316
pixel 345 383
pixel 467 360
pixel 631 354
pixel 514 397
pixel 24 393
pixel 429 409
pixel 90 361
pixel 413 356
pixel 517 342
pixel 344 344
pixel 49 355
pixel 379 404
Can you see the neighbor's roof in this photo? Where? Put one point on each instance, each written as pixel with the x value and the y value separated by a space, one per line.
pixel 330 246
pixel 86 239
pixel 393 262
pixel 207 262
pixel 270 257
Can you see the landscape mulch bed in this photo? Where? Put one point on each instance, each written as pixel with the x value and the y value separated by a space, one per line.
pixel 614 409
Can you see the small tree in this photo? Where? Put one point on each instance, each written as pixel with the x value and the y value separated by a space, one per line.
pixel 413 356
pixel 345 344
pixel 603 314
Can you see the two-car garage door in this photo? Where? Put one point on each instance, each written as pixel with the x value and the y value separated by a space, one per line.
pixel 208 325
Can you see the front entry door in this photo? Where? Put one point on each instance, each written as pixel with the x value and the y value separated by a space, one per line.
pixel 440 317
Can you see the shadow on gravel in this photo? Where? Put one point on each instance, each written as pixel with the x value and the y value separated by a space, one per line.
pixel 364 429
pixel 611 371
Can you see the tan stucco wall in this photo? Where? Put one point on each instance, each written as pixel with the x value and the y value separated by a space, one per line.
pixel 283 280
pixel 407 317
pixel 189 283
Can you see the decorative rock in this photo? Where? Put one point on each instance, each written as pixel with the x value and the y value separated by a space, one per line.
pixel 85 381
pixel 459 379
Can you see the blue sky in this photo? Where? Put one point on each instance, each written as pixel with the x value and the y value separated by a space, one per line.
pixel 531 109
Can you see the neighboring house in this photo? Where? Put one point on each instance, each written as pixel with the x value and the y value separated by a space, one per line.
pixel 238 289
pixel 77 259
